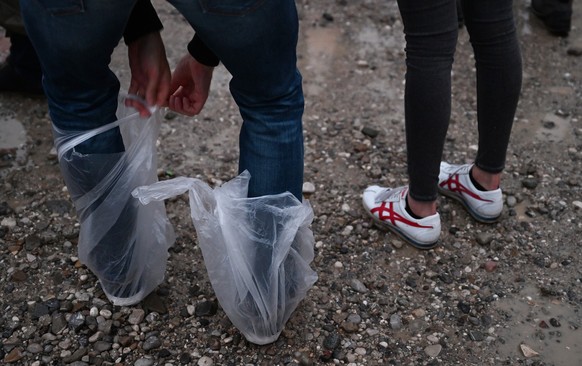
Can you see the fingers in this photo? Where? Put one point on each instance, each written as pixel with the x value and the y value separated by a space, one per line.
pixel 140 107
pixel 183 105
pixel 158 90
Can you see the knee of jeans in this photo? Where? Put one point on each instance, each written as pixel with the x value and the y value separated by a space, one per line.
pixel 427 51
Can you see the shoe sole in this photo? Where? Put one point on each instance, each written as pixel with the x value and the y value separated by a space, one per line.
pixel 383 225
pixel 475 215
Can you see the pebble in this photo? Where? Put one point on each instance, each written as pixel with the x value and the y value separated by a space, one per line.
pixel 395 321
pixel 484 238
pixel 332 341
pixel 490 266
pixel 144 362
pixel 527 351
pixel 370 132
pixel 205 361
pixel 206 308
pixel 136 316
pixel 530 183
pixel 101 346
pixel 151 343
pixel 13 356
pixel 308 188
pixel 433 350
pixel 358 286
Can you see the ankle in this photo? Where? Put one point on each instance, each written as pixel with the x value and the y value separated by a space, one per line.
pixel 420 209
pixel 485 180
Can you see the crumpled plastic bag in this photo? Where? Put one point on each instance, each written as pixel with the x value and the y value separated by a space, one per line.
pixel 257 251
pixel 125 244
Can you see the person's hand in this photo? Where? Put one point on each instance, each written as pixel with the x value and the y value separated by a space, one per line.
pixel 190 86
pixel 150 72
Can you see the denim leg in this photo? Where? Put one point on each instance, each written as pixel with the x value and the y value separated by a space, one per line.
pixel 74 40
pixel 492 29
pixel 256 41
pixel 431 28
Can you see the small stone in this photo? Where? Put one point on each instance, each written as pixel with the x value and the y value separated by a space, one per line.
pixel 577 205
pixel 527 351
pixel 332 341
pixel 144 362
pixel 205 361
pixel 370 132
pixel 395 321
pixel 575 50
pixel 308 188
pixel 151 343
pixel 76 321
pixel 476 335
pixel 34 348
pixel 350 327
pixel 433 350
pixel 484 238
pixel 358 286
pixel 464 307
pixel 153 302
pixel 8 222
pixel 530 183
pixel 58 323
pixel 490 266
pixel 206 308
pixel 101 346
pixel 555 322
pixel 13 356
pixel 136 316
pixel 185 358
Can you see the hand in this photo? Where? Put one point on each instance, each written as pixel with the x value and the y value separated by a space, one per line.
pixel 150 72
pixel 190 86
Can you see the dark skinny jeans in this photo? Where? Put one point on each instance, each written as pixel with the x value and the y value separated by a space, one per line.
pixel 431 30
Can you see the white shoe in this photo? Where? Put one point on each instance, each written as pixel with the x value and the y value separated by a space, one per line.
pixel 388 209
pixel 454 182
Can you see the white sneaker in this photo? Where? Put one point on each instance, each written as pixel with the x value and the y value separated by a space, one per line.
pixel 388 209
pixel 454 181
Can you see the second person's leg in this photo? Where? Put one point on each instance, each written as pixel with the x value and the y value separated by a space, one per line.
pixel 257 42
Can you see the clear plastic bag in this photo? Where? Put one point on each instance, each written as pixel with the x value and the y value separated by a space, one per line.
pixel 257 251
pixel 125 244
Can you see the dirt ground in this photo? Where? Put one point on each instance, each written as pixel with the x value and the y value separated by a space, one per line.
pixel 503 294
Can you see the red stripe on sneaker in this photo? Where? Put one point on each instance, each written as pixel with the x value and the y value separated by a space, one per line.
pixel 454 185
pixel 394 216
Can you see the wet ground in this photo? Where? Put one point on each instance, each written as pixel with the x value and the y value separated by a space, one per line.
pixel 504 294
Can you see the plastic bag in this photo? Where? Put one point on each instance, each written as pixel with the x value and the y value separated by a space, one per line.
pixel 257 251
pixel 124 243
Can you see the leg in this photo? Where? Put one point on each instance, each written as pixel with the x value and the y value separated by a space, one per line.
pixel 431 29
pixel 74 45
pixel 492 29
pixel 259 50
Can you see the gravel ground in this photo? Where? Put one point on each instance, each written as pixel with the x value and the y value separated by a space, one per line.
pixel 503 294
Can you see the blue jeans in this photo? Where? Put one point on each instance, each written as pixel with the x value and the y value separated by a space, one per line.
pixel 254 39
pixel 431 29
